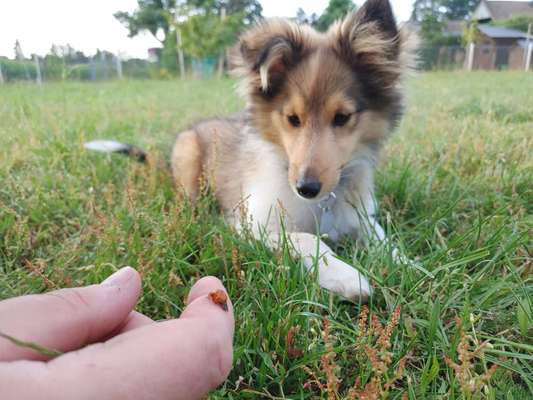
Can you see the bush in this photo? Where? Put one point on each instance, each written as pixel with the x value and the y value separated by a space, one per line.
pixel 80 72
pixel 137 69
pixel 519 23
pixel 54 69
pixel 18 70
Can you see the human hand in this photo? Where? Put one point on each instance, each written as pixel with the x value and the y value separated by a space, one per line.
pixel 127 355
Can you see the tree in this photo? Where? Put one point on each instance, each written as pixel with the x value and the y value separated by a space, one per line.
pixel 205 35
pixel 335 10
pixel 206 26
pixel 303 19
pixel 68 54
pixel 442 9
pixel 158 16
pixel 19 54
pixel 249 10
pixel 421 8
pixel 211 26
pixel 520 23
pixel 432 16
pixel 470 33
pixel 458 9
pixel 151 16
pixel 431 29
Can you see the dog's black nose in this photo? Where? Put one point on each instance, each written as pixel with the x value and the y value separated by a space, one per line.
pixel 308 188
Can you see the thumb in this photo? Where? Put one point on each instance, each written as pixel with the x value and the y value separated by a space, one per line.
pixel 68 319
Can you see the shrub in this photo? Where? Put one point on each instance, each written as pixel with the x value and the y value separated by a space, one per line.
pixel 18 70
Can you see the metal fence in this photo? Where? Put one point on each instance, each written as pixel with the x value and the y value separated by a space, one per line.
pixel 97 68
pixel 108 66
pixel 441 58
pixel 53 69
pixel 488 57
pixel 476 57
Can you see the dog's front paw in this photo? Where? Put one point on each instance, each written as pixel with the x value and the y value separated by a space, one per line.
pixel 344 280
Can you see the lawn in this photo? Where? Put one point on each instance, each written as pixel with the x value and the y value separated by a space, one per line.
pixel 456 193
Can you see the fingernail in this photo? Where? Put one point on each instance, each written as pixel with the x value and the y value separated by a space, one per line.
pixel 119 278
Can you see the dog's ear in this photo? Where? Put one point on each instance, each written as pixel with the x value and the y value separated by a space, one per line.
pixel 369 41
pixel 267 52
pixel 378 12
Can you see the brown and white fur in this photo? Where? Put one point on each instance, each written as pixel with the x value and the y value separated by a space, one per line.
pixel 319 107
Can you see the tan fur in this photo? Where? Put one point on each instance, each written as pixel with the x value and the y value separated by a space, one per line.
pixel 186 163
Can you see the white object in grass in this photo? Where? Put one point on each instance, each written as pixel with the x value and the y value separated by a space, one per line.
pixel 106 146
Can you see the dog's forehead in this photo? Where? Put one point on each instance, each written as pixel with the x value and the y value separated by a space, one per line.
pixel 321 76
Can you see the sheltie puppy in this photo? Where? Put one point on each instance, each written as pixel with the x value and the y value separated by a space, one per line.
pixel 298 163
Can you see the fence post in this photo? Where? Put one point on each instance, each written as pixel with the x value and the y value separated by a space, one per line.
pixel 1 75
pixel 92 68
pixel 38 77
pixel 119 66
pixel 103 64
pixel 180 53
pixel 222 56
pixel 528 57
pixel 470 59
pixel 529 48
pixel 179 48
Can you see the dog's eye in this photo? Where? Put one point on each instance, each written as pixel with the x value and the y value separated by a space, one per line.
pixel 341 119
pixel 294 120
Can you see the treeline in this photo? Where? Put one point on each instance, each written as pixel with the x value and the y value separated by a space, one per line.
pixel 193 30
pixel 65 62
pixel 15 70
pixel 194 35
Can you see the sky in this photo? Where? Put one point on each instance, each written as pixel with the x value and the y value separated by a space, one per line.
pixel 90 25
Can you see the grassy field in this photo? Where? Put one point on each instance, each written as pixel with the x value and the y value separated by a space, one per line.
pixel 456 193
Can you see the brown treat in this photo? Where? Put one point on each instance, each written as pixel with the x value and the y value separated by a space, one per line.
pixel 219 297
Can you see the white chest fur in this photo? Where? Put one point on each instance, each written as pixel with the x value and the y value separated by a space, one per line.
pixel 270 202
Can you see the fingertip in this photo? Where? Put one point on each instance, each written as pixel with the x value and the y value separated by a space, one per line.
pixel 136 281
pixel 203 287
pixel 199 304
pixel 127 280
pixel 123 276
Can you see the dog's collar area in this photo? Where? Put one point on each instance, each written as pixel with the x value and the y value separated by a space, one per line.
pixel 328 202
pixel 327 218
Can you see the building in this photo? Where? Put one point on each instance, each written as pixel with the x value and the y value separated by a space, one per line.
pixel 495 48
pixel 488 11
pixel 500 48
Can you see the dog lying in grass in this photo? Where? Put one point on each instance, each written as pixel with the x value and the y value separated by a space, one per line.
pixel 299 162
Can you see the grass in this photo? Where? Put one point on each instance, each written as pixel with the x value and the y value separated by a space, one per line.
pixel 455 190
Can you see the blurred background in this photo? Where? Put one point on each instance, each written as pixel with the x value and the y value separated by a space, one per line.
pixel 153 39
